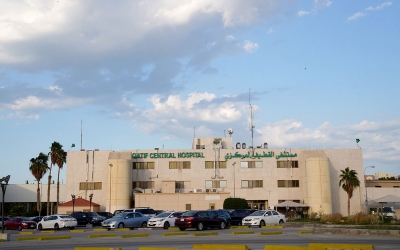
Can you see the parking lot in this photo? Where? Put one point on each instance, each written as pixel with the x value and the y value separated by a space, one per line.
pixel 158 238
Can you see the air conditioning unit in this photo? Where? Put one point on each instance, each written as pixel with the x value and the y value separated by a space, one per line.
pixel 207 190
pixel 197 190
pixel 215 190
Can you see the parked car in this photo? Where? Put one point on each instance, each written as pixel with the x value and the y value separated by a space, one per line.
pixel 224 214
pixel 107 215
pixel 57 221
pixel 1 220
pixel 118 211
pixel 36 218
pixel 200 220
pixel 19 223
pixel 129 220
pixel 237 215
pixel 149 212
pixel 84 218
pixel 164 220
pixel 262 217
pixel 159 212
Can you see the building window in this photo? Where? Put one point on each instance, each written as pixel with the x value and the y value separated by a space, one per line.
pixel 179 165
pixel 90 186
pixel 378 186
pixel 188 207
pixel 143 184
pixel 143 165
pixel 251 164
pixel 287 164
pixel 210 164
pixel 396 186
pixel 179 184
pixel 216 184
pixel 288 183
pixel 252 183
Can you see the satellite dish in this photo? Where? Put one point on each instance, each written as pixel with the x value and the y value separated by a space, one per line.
pixel 230 131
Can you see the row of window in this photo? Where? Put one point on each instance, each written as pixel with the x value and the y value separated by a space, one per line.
pixel 218 184
pixel 210 164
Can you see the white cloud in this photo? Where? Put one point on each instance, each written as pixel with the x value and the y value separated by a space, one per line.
pixel 250 46
pixel 322 3
pixel 302 13
pixel 34 103
pixel 363 13
pixel 270 30
pixel 355 16
pixel 378 140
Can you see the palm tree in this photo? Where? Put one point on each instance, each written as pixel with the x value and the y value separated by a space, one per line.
pixel 62 158
pixel 349 181
pixel 57 157
pixel 38 166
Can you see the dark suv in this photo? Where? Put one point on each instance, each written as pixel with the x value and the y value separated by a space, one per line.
pixel 237 215
pixel 223 214
pixel 200 220
pixel 84 218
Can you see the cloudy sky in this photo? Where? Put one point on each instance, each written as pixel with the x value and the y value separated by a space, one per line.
pixel 146 74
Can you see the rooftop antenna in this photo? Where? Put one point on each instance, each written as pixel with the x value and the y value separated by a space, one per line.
pixel 251 121
pixel 81 134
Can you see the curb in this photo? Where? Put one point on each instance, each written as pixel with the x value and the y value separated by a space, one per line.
pixel 77 231
pixel 175 233
pixel 134 235
pixel 341 246
pixel 101 235
pixel 305 232
pixel 157 248
pixel 205 234
pixel 220 247
pixel 270 233
pixel 243 232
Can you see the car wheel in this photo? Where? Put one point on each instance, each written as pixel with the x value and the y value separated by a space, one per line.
pixel 121 225
pixel 281 222
pixel 144 224
pixel 182 228
pixel 222 225
pixel 19 228
pixel 166 225
pixel 72 228
pixel 229 224
pixel 200 226
pixel 262 223
pixel 56 227
pixel 40 227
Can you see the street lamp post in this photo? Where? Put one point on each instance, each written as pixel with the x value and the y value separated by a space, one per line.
pixel 90 199
pixel 365 184
pixel 73 202
pixel 234 180
pixel 3 183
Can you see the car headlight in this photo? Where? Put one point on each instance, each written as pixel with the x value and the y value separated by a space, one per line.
pixel 162 220
pixel 256 218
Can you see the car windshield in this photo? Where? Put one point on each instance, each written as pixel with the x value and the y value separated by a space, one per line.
pixel 92 214
pixel 258 213
pixel 387 210
pixel 163 215
pixel 120 215
pixel 26 219
pixel 189 213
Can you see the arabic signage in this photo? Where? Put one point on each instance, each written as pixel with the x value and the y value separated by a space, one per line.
pixel 270 154
pixel 168 155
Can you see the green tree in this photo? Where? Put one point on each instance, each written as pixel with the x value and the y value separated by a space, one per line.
pixel 349 181
pixel 57 157
pixel 235 203
pixel 38 167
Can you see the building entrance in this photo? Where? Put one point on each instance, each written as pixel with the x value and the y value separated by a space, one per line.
pixel 258 204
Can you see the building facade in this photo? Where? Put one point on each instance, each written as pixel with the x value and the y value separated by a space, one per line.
pixel 211 171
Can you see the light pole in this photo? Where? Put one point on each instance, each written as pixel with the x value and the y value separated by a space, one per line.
pixel 73 202
pixel 90 199
pixel 3 183
pixel 234 180
pixel 109 204
pixel 365 184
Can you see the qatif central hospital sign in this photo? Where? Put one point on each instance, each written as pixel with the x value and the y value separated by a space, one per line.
pixel 168 155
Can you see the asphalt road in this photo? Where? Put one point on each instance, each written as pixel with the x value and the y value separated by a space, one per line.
pixel 254 241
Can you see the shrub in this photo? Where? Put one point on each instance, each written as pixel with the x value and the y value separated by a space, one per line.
pixel 235 203
pixel 331 218
pixel 363 218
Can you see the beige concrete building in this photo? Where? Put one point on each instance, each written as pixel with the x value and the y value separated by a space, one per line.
pixel 211 171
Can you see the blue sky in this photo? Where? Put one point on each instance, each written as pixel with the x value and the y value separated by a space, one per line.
pixel 146 74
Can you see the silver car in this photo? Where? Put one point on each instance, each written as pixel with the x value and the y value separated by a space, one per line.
pixel 129 220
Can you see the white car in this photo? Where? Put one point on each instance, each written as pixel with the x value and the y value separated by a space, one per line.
pixel 57 221
pixel 262 217
pixel 164 220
